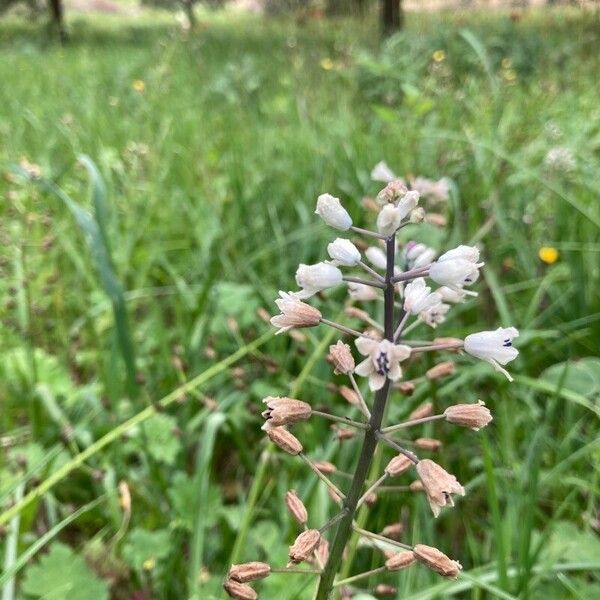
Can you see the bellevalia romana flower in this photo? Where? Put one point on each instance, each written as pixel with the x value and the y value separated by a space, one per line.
pixel 494 347
pixel 381 172
pixel 388 220
pixel 362 292
pixel 314 278
pixel 383 361
pixel 418 255
pixel 418 297
pixel 376 257
pixel 294 313
pixel 434 315
pixel 439 485
pixel 455 273
pixel 343 252
pixel 470 253
pixel 408 203
pixel 452 296
pixel 330 209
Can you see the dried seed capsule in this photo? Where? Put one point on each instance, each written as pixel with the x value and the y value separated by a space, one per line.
pixel 304 545
pixel 398 465
pixel 439 485
pixel 393 531
pixel 407 388
pixel 400 560
pixel 284 411
pixel 443 369
pixel 371 499
pixel 239 591
pixel 428 444
pixel 473 416
pixel 322 551
pixel 344 433
pixel 285 440
pixel 296 507
pixel 437 561
pixel 325 467
pixel 341 358
pixel 249 571
pixel 422 411
pixel 348 394
pixel 294 313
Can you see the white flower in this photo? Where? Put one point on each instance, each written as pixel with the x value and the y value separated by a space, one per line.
pixel 435 315
pixel 470 253
pixel 362 292
pixel 381 172
pixel 388 220
pixel 343 252
pixel 449 295
pixel 408 203
pixel 494 347
pixel 294 313
pixel 314 278
pixel 418 297
pixel 438 191
pixel 455 273
pixel 330 209
pixel 418 255
pixel 376 257
pixel 383 361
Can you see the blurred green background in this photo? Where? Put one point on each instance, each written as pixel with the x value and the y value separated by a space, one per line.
pixel 129 273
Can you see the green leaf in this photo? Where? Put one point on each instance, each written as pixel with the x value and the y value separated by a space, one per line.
pixel 160 440
pixel 581 376
pixel 145 548
pixel 183 495
pixel 63 575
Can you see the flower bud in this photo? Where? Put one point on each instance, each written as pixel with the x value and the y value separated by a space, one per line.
pixel 473 416
pixel 341 358
pixel 315 278
pixel 362 292
pixel 284 411
pixel 325 467
pixel 383 589
pixel 388 220
pixel 304 545
pixel 393 531
pixel 400 560
pixel 443 369
pixel 239 591
pixel 371 499
pixel 343 252
pixel 417 486
pixel 376 257
pixel 349 395
pixel 392 192
pixel 344 433
pixel 422 411
pixel 438 484
pixel 285 440
pixel 296 507
pixel 249 571
pixel 436 219
pixel 407 388
pixel 398 465
pixel 408 204
pixel 294 313
pixel 437 561
pixel 428 444
pixel 357 313
pixel 330 209
pixel 417 215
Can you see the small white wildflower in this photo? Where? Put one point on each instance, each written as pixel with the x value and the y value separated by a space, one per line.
pixel 470 253
pixel 449 295
pixel 418 297
pixel 408 203
pixel 314 278
pixel 388 220
pixel 362 292
pixel 343 252
pixel 455 273
pixel 381 172
pixel 330 209
pixel 494 347
pixel 383 361
pixel 418 255
pixel 376 257
pixel 434 315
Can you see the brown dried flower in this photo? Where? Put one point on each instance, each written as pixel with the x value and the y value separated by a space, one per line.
pixel 439 485
pixel 344 433
pixel 417 486
pixel 296 507
pixel 473 416
pixel 341 358
pixel 437 561
pixel 407 388
pixel 443 369
pixel 325 467
pixel 349 395
pixel 429 444
pixel 239 591
pixel 304 545
pixel 284 411
pixel 294 313
pixel 422 411
pixel 400 560
pixel 398 465
pixel 249 571
pixel 285 440
pixel 322 551
pixel 393 531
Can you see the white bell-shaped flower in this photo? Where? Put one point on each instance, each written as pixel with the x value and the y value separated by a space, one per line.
pixel 418 255
pixel 362 292
pixel 455 273
pixel 381 172
pixel 470 253
pixel 343 252
pixel 418 297
pixel 434 315
pixel 330 209
pixel 494 347
pixel 376 257
pixel 388 220
pixel 314 278
pixel 383 361
pixel 452 296
pixel 408 203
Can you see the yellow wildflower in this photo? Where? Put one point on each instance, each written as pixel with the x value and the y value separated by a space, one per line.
pixel 327 64
pixel 149 564
pixel 510 74
pixel 439 56
pixel 548 254
pixel 138 85
pixel 507 63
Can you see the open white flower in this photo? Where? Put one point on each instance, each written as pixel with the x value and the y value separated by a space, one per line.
pixel 437 191
pixel 381 172
pixel 470 253
pixel 294 313
pixel 314 278
pixel 362 292
pixel 376 257
pixel 408 203
pixel 418 297
pixel 455 273
pixel 452 296
pixel 435 315
pixel 343 252
pixel 383 361
pixel 388 219
pixel 494 347
pixel 330 209
pixel 418 255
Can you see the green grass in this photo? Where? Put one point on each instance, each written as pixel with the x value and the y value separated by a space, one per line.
pixel 211 175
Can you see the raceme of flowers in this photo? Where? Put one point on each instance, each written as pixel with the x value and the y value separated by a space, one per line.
pixel 418 287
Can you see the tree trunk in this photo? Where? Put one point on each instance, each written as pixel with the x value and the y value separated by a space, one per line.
pixel 189 13
pixel 57 16
pixel 392 16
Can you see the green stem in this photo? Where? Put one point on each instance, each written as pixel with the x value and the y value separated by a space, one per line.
pixel 360 576
pixel 337 419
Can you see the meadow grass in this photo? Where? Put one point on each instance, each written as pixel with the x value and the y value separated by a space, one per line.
pixel 210 150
